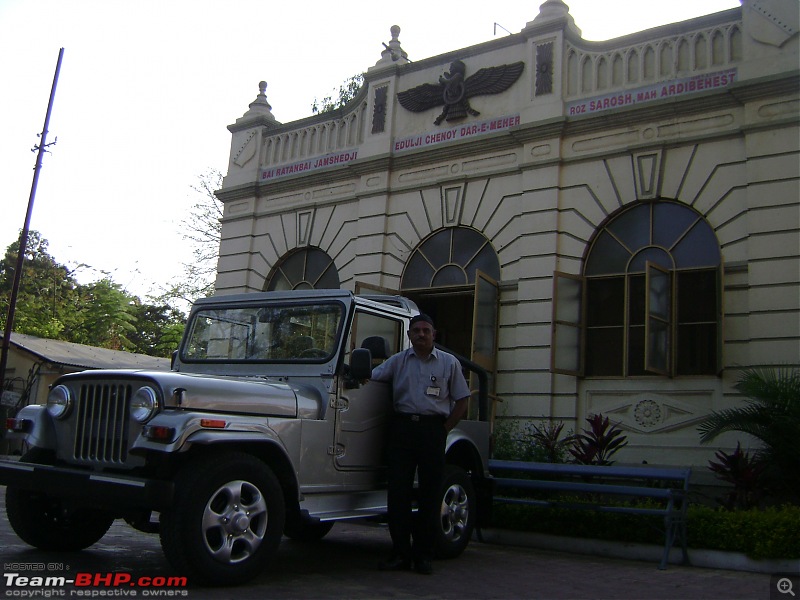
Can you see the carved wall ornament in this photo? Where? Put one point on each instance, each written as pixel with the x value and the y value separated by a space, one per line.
pixel 544 69
pixel 454 90
pixel 651 412
pixel 305 219
pixel 379 110
pixel 775 22
pixel 246 151
pixel 647 174
pixel 647 413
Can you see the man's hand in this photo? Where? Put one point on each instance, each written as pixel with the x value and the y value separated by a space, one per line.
pixel 459 410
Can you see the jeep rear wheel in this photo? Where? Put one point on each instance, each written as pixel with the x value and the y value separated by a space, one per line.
pixel 48 523
pixel 457 514
pixel 227 520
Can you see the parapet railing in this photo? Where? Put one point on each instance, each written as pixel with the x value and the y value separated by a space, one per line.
pixel 681 54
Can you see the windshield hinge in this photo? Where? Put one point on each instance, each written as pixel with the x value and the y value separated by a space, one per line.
pixel 339 403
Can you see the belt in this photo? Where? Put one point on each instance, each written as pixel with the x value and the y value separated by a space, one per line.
pixel 416 418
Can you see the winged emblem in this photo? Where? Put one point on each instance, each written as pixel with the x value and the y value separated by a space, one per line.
pixel 454 90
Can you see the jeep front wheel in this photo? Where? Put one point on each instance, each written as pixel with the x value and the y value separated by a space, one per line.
pixel 227 520
pixel 47 522
pixel 457 513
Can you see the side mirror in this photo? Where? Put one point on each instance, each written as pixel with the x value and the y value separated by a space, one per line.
pixel 361 364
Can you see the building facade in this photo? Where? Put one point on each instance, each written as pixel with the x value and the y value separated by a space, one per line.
pixel 608 227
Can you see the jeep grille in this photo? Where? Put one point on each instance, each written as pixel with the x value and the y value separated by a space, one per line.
pixel 101 427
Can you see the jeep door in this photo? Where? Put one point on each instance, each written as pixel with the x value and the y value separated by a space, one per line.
pixel 362 413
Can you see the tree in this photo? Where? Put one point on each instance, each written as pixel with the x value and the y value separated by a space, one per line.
pixel 52 304
pixel 347 91
pixel 159 328
pixel 202 228
pixel 104 316
pixel 772 415
pixel 45 293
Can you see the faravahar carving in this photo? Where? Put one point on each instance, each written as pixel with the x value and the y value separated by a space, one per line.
pixel 454 90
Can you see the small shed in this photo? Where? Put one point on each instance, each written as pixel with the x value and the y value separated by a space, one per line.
pixel 35 363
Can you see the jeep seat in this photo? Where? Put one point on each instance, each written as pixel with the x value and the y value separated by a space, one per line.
pixel 378 347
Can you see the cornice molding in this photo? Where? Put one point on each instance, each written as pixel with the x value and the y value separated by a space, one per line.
pixel 668 109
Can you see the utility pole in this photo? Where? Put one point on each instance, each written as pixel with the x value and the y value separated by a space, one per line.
pixel 23 236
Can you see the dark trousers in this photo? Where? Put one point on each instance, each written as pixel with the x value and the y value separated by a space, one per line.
pixel 415 447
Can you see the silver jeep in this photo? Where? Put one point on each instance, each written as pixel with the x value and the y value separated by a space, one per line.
pixel 266 426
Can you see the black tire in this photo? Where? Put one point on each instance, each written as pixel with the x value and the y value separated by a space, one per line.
pixel 305 529
pixel 226 521
pixel 457 514
pixel 45 522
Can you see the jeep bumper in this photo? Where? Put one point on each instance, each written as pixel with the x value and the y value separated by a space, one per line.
pixel 101 490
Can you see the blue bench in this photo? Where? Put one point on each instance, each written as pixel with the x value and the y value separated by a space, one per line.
pixel 668 485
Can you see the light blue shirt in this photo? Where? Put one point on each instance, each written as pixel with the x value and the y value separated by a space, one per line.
pixel 426 387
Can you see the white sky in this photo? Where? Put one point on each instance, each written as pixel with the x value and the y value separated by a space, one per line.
pixel 148 87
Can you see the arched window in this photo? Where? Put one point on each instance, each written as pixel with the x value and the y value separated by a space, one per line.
pixel 452 275
pixel 649 298
pixel 449 257
pixel 303 269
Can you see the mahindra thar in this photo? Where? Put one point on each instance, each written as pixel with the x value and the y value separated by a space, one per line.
pixel 266 426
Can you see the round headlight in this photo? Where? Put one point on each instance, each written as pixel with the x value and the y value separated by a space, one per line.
pixel 144 404
pixel 59 402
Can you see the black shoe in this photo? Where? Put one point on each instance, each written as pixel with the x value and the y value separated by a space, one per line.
pixel 423 566
pixel 395 563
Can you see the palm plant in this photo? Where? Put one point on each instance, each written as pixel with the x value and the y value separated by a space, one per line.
pixel 772 415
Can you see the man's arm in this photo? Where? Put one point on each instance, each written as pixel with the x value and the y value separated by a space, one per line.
pixel 459 410
pixel 385 370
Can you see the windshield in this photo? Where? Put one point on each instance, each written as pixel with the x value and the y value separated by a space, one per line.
pixel 306 332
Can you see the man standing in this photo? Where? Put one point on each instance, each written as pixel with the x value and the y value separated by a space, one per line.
pixel 430 397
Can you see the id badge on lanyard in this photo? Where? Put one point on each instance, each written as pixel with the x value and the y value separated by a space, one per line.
pixel 433 389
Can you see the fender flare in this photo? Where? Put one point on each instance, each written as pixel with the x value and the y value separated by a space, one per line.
pixel 42 433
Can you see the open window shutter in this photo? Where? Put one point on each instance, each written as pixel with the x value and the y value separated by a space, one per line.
pixel 484 332
pixel 720 317
pixel 484 323
pixel 567 339
pixel 658 308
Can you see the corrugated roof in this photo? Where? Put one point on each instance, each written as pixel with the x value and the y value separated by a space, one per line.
pixel 86 357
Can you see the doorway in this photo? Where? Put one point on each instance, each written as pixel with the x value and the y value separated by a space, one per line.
pixel 452 311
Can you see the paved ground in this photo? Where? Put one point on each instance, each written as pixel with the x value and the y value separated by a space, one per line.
pixel 343 565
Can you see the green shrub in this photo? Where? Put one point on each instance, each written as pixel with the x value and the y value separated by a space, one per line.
pixel 643 529
pixel 760 534
pixel 770 533
pixel 518 440
pixel 595 445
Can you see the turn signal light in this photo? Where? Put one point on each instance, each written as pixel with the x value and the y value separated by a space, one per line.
pixel 213 423
pixel 158 433
pixel 18 425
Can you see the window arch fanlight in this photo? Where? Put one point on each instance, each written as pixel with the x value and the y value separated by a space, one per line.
pixel 450 257
pixel 649 299
pixel 303 269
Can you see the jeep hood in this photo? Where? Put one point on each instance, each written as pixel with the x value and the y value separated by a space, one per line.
pixel 190 391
